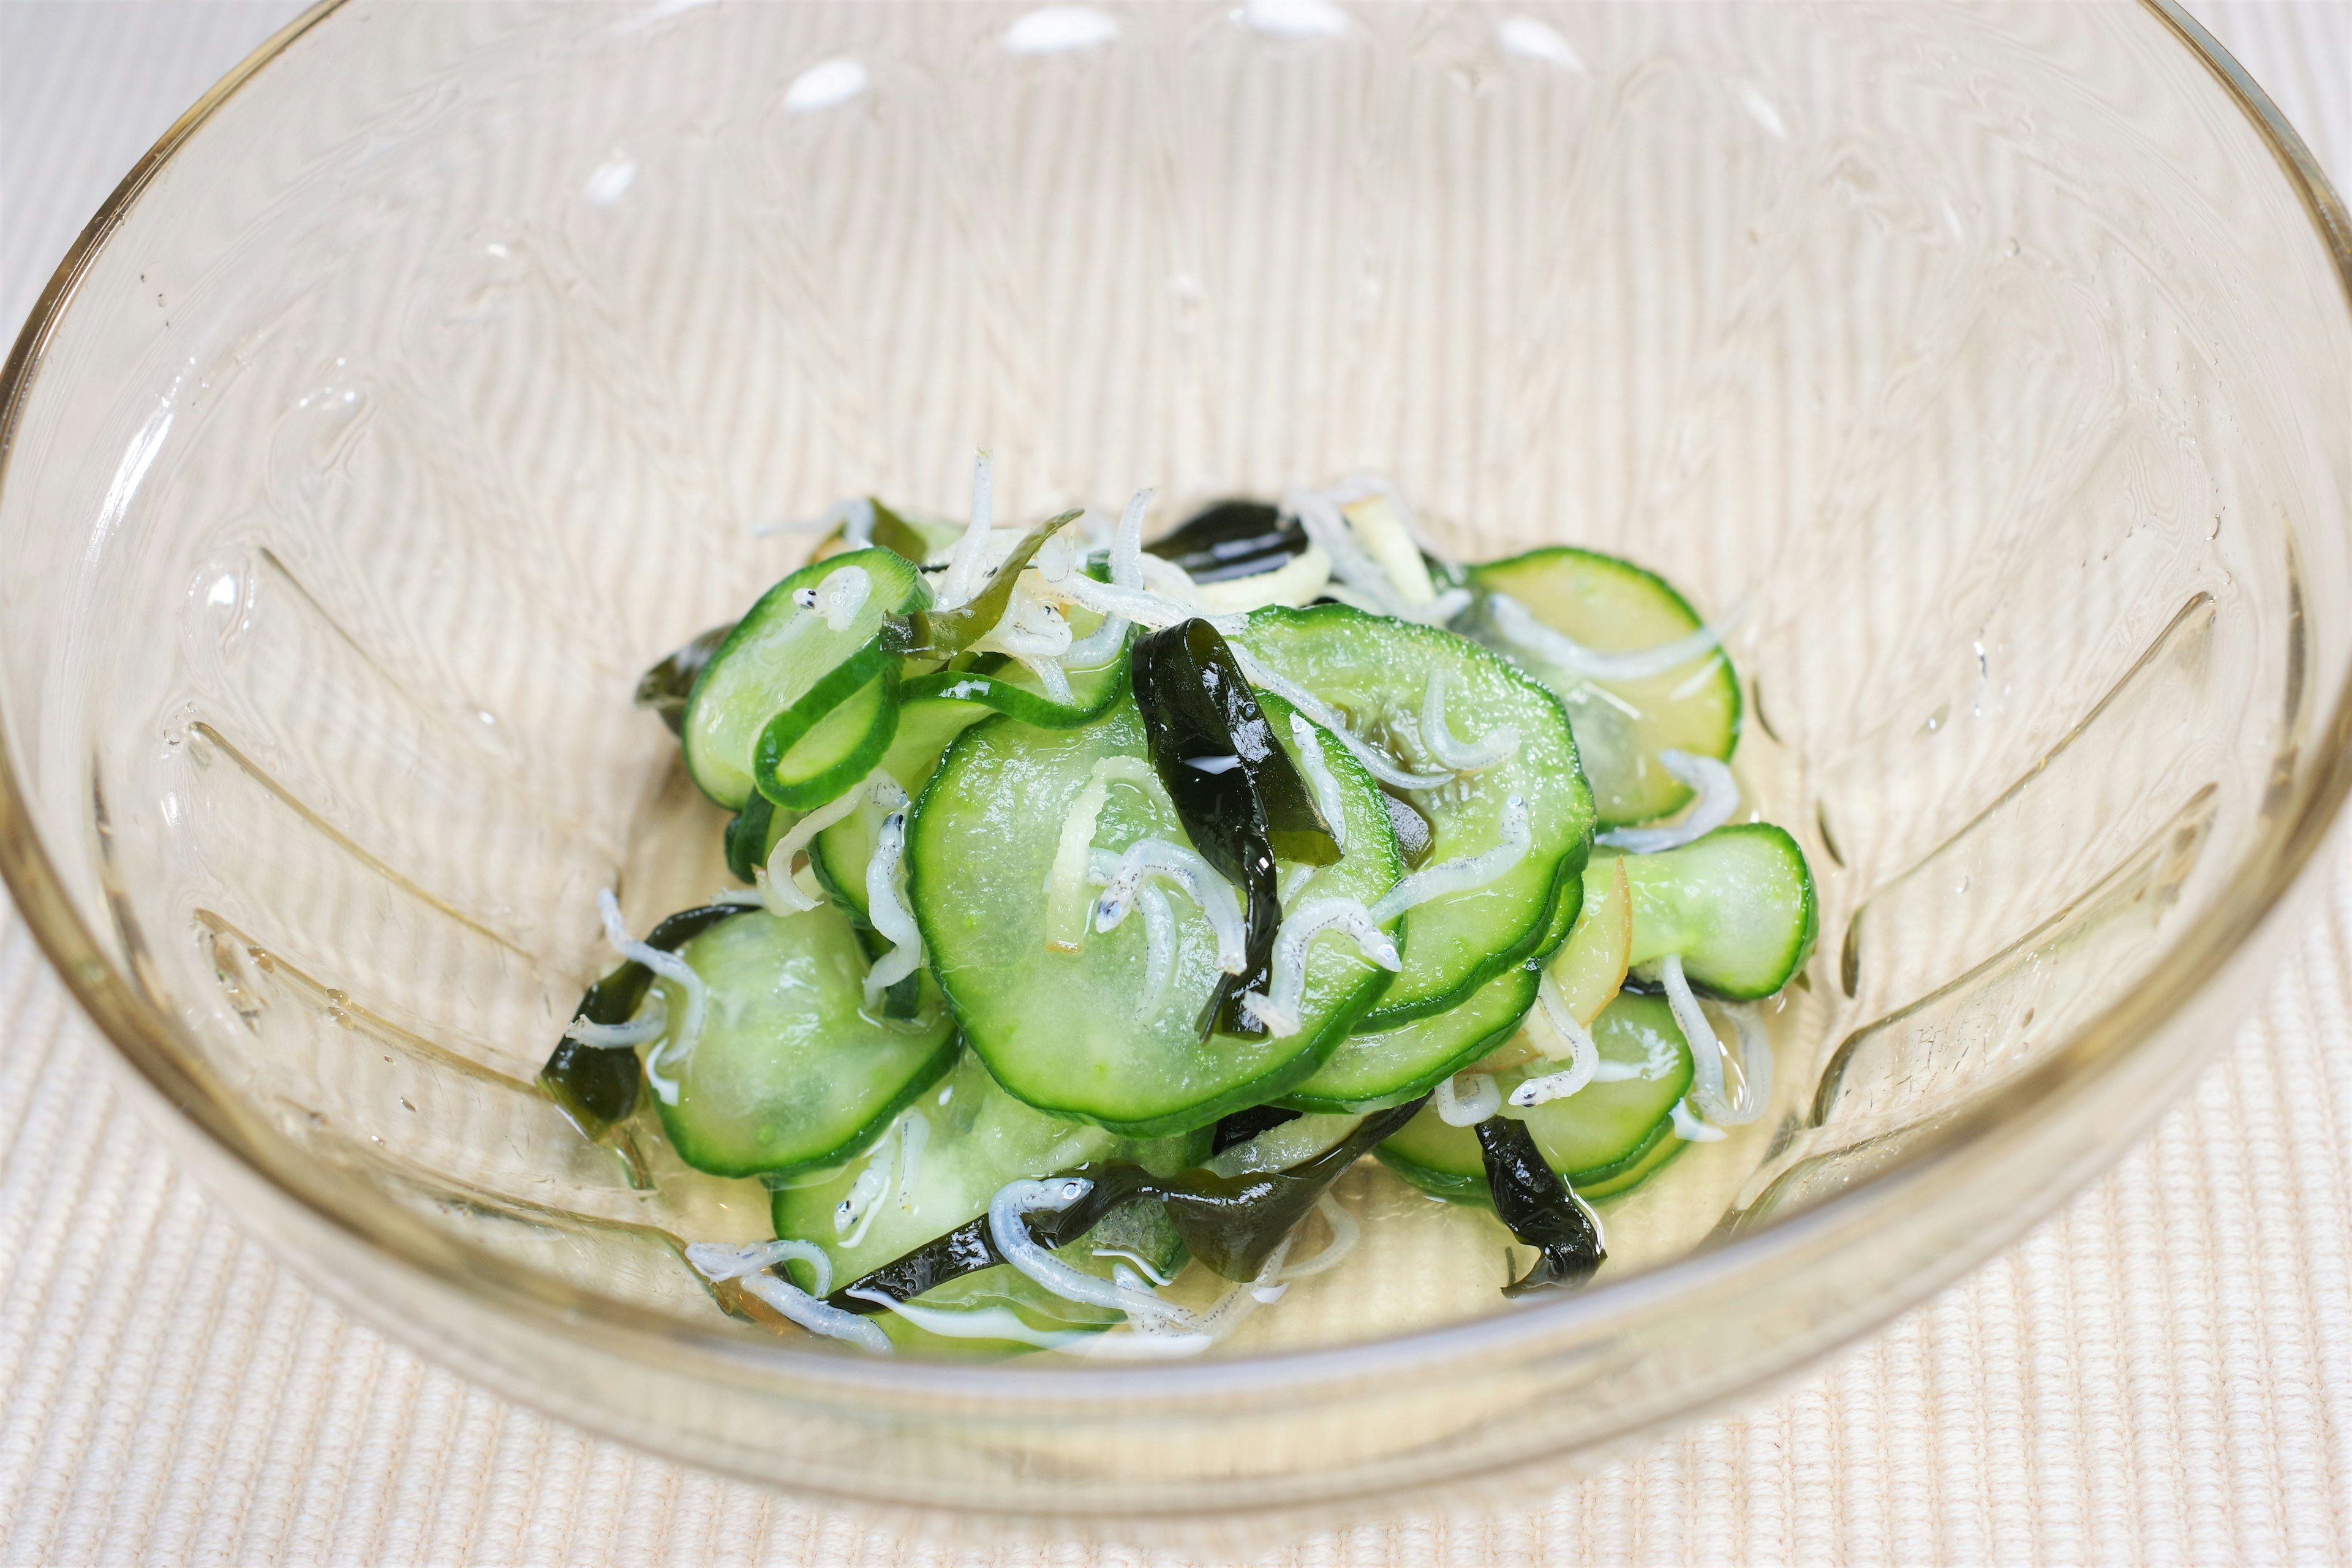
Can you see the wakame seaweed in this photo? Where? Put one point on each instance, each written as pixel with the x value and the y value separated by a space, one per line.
pixel 943 634
pixel 1537 1208
pixel 1233 787
pixel 666 686
pixel 1233 539
pixel 1231 1224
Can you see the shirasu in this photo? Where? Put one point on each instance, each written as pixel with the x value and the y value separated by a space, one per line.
pixel 778 892
pixel 886 908
pixel 1465 872
pixel 1718 798
pixel 670 967
pixel 1067 901
pixel 1009 1230
pixel 968 557
pixel 1708 1096
pixel 1346 1232
pixel 1584 1060
pixel 1200 881
pixel 1516 624
pixel 750 1265
pixel 1456 1109
pixel 1328 799
pixel 1104 643
pixel 1463 757
pixel 1279 1010
pixel 647 1026
pixel 839 597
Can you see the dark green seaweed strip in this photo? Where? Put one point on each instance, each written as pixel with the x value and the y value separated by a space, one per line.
pixel 897 535
pixel 969 1249
pixel 1233 539
pixel 1233 787
pixel 1540 1208
pixel 746 837
pixel 1232 1224
pixel 941 634
pixel 666 687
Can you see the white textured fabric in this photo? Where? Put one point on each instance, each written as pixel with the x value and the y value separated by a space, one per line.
pixel 2163 1374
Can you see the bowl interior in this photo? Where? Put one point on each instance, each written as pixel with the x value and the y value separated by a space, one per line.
pixel 468 358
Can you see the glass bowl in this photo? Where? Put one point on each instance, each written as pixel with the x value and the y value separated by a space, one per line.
pixel 448 363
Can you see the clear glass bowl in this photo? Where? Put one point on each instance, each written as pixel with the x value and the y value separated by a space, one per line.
pixel 443 366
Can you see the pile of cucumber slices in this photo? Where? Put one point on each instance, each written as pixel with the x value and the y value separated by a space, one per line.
pixel 1105 901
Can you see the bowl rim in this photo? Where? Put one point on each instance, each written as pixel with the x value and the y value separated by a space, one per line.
pixel 144 1035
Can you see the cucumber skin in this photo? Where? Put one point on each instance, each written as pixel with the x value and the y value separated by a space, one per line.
pixel 916 594
pixel 1809 918
pixel 1260 1091
pixel 1570 870
pixel 1735 718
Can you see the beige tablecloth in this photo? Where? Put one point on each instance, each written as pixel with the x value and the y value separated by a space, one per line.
pixel 2162 1374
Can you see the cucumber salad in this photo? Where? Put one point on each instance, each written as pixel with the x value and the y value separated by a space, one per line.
pixel 1103 901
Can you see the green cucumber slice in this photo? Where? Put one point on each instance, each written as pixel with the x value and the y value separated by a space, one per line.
pixel 937 1166
pixel 788 1073
pixel 1737 904
pixel 933 710
pixel 1060 1028
pixel 774 655
pixel 1374 671
pixel 1613 606
pixel 1602 1140
pixel 1371 1072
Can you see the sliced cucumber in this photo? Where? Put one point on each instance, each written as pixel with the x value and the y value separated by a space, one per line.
pixel 934 710
pixel 788 1072
pixel 1602 1140
pixel 1612 605
pixel 1737 905
pixel 938 1166
pixel 1073 1031
pixel 1375 672
pixel 1369 1072
pixel 1589 970
pixel 771 659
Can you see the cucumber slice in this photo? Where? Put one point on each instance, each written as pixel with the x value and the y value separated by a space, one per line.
pixel 1589 969
pixel 1602 1140
pixel 771 659
pixel 1375 672
pixel 938 1166
pixel 933 710
pixel 1060 1028
pixel 788 1072
pixel 1612 605
pixel 1370 1072
pixel 1737 904
pixel 832 735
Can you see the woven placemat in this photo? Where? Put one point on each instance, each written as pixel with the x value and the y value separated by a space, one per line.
pixel 2161 1373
